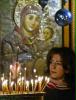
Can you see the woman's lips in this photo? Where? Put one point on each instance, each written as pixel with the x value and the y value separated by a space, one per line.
pixel 53 71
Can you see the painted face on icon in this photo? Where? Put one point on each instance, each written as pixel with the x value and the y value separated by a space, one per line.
pixel 31 22
pixel 48 33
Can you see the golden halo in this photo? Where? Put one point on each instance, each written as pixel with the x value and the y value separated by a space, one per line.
pixel 18 10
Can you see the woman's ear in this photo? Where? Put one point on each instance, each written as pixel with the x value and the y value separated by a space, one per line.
pixel 66 71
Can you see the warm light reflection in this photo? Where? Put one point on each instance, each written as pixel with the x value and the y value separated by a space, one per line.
pixel 21 84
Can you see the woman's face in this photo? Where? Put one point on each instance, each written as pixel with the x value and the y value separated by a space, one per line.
pixel 31 22
pixel 56 69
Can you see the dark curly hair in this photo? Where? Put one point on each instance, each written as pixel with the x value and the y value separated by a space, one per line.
pixel 68 62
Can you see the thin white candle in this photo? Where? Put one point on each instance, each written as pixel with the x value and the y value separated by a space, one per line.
pixel 11 86
pixel 27 86
pixel 39 83
pixel 32 83
pixel 36 82
pixel 5 86
pixel 25 73
pixel 2 78
pixel 34 71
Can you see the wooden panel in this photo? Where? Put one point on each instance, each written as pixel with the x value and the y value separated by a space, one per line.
pixel 73 24
pixel 66 30
pixel 66 36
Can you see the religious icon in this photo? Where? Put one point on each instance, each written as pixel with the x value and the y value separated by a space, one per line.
pixel 35 32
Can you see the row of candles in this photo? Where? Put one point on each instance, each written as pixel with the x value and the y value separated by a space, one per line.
pixel 22 85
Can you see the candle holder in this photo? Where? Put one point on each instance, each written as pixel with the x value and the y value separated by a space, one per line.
pixel 23 87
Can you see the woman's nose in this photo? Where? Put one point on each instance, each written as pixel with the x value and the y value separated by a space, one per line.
pixel 53 65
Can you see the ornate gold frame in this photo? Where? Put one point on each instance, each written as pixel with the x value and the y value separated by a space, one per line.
pixel 73 7
pixel 69 31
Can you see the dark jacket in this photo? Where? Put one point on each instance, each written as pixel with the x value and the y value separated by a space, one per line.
pixel 59 94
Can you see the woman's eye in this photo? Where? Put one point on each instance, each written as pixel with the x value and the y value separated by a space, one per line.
pixel 56 63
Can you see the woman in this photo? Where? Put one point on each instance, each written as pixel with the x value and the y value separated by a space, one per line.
pixel 61 63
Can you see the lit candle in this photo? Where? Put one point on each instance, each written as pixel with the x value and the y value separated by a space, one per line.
pixel 13 71
pixel 35 86
pixel 17 67
pixel 22 84
pixel 10 82
pixel 25 73
pixel 27 86
pixel 19 84
pixel 39 83
pixel 5 86
pixel 32 83
pixel 34 71
pixel 10 77
pixel 47 79
pixel 2 78
pixel 11 86
pixel 11 67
